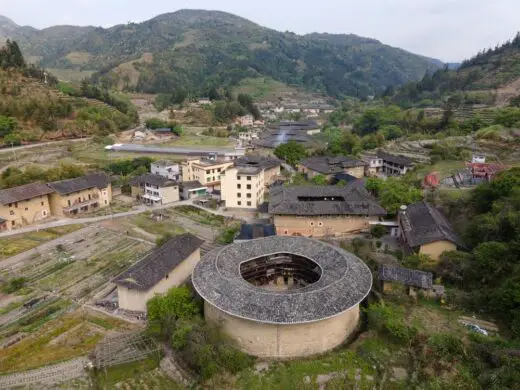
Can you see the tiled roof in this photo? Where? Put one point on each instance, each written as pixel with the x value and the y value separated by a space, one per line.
pixel 153 268
pixel 345 281
pixel 156 180
pixel 422 223
pixel 94 180
pixel 351 199
pixel 258 161
pixel 191 185
pixel 409 277
pixel 400 160
pixel 330 165
pixel 27 191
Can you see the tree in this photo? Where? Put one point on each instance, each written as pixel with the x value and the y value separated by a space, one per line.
pixel 292 152
pixel 378 231
pixel 320 180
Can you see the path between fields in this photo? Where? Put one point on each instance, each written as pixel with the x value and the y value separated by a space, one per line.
pixel 48 375
pixel 141 209
pixel 17 148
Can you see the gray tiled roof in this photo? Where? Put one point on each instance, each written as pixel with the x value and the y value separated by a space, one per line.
pixel 153 268
pixel 355 200
pixel 156 180
pixel 258 161
pixel 94 180
pixel 190 185
pixel 330 165
pixel 400 160
pixel 345 281
pixel 409 277
pixel 422 223
pixel 27 191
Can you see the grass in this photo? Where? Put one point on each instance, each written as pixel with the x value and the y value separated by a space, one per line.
pixel 142 375
pixel 63 338
pixel 145 222
pixel 443 168
pixel 71 74
pixel 201 216
pixel 14 245
pixel 201 141
pixel 262 87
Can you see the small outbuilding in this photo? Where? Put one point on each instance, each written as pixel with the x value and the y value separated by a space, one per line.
pixel 166 267
pixel 414 280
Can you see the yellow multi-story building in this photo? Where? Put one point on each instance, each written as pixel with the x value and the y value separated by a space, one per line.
pixel 80 195
pixel 243 187
pixel 270 165
pixel 207 172
pixel 24 205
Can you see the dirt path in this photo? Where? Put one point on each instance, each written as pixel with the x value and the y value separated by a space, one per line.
pixel 48 375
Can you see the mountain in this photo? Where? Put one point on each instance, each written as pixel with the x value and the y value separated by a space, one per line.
pixel 490 77
pixel 198 50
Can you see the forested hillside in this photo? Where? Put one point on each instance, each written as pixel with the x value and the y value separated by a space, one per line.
pixel 33 109
pixel 486 78
pixel 196 50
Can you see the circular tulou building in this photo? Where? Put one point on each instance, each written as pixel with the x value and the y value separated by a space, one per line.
pixel 283 297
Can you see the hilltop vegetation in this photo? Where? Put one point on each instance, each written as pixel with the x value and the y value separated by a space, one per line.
pixel 208 49
pixel 32 109
pixel 475 82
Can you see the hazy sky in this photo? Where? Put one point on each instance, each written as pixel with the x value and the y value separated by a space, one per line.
pixel 450 30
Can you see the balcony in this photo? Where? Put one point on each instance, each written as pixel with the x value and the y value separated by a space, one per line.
pixel 83 205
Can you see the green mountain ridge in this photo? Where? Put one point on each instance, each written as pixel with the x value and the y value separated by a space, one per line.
pixel 198 50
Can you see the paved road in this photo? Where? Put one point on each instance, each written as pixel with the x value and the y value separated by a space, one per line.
pixel 169 150
pixel 17 148
pixel 141 209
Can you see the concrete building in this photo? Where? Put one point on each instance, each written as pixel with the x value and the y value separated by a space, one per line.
pixel 166 169
pixel 166 267
pixel 24 205
pixel 270 165
pixel 155 190
pixel 206 171
pixel 394 165
pixel 192 190
pixel 248 136
pixel 243 187
pixel 80 195
pixel 318 211
pixel 283 297
pixel 425 230
pixel 330 166
pixel 374 164
pixel 246 120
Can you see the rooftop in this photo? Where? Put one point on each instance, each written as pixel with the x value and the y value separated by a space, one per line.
pixel 330 165
pixel 164 163
pixel 94 180
pixel 241 170
pixel 422 224
pixel 408 277
pixel 258 161
pixel 27 191
pixel 257 230
pixel 191 185
pixel 155 180
pixel 351 199
pixel 153 268
pixel 344 282
pixel 400 160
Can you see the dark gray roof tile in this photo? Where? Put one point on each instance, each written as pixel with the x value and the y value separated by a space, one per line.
pixel 94 180
pixel 27 191
pixel 406 276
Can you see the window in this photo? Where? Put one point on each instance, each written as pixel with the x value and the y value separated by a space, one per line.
pixel 11 212
pixel 69 202
pixel 249 203
pixel 239 203
pixel 16 205
pixel 249 186
pixel 249 196
pixel 43 203
pixel 27 209
pixel 239 186
pixel 239 195
pixel 320 223
pixel 312 223
pixel 12 223
pixel 106 201
pixel 249 178
pixel 10 205
pixel 208 171
pixel 238 177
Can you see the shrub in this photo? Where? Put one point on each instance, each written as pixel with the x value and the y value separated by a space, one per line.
pixel 378 231
pixel 14 285
pixel 389 320
pixel 446 346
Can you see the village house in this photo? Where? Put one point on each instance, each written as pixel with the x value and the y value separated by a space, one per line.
pixel 206 171
pixel 425 230
pixel 203 101
pixel 80 195
pixel 155 190
pixel 166 169
pixel 243 187
pixel 24 205
pixel 192 190
pixel 270 165
pixel 248 136
pixel 318 211
pixel 330 166
pixel 394 165
pixel 374 164
pixel 391 276
pixel 166 267
pixel 246 120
